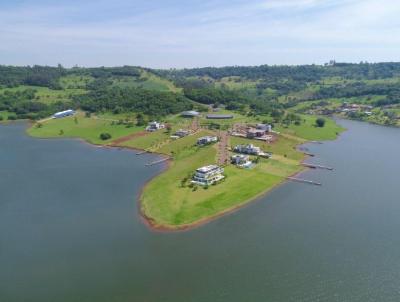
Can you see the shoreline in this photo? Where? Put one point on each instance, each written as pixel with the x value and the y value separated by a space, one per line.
pixel 159 227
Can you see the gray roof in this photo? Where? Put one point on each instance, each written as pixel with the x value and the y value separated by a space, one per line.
pixel 190 113
pixel 219 116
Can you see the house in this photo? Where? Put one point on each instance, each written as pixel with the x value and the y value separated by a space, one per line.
pixel 182 133
pixel 154 126
pixel 65 113
pixel 253 133
pixel 241 160
pixel 219 116
pixel 264 127
pixel 205 140
pixel 190 114
pixel 208 175
pixel 248 149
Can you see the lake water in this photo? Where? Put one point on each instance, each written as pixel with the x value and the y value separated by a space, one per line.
pixel 70 229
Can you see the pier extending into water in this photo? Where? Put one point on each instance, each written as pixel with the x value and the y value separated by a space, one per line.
pixel 157 161
pixel 142 152
pixel 313 166
pixel 302 180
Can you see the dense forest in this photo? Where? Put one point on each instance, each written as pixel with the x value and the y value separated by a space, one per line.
pixel 256 90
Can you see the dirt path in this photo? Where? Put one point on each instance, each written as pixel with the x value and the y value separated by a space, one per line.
pixel 195 126
pixel 223 154
pixel 127 138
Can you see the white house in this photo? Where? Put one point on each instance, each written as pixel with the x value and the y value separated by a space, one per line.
pixel 190 113
pixel 154 126
pixel 205 140
pixel 241 160
pixel 248 149
pixel 208 175
pixel 65 113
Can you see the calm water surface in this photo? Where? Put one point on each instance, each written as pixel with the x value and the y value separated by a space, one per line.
pixel 70 230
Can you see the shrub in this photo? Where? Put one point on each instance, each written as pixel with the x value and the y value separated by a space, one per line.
pixel 320 122
pixel 105 136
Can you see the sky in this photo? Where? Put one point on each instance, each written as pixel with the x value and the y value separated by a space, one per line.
pixel 194 33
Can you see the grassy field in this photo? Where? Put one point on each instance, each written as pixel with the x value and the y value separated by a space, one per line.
pixel 307 129
pixel 147 80
pixel 88 129
pixel 4 115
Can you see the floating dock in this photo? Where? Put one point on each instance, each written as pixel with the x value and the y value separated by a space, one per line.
pixel 311 182
pixel 313 166
pixel 157 162
pixel 142 152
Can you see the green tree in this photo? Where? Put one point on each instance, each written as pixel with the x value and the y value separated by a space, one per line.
pixel 320 122
pixel 105 136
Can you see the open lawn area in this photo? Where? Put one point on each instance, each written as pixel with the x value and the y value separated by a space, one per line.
pixel 88 129
pixel 309 131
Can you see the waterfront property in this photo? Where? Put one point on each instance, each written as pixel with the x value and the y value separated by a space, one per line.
pixel 65 113
pixel 205 140
pixel 248 149
pixel 190 114
pixel 241 160
pixel 208 175
pixel 154 126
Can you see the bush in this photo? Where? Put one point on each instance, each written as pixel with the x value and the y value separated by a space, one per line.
pixel 1 117
pixel 320 122
pixel 12 117
pixel 105 136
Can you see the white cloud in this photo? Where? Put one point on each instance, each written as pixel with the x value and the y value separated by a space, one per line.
pixel 245 32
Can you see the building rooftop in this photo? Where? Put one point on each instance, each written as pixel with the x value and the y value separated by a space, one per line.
pixel 219 116
pixel 208 168
pixel 190 113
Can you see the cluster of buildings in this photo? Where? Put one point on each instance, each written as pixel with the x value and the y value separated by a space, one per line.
pixel 259 132
pixel 351 108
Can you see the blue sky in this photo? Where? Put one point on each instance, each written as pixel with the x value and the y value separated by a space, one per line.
pixel 194 33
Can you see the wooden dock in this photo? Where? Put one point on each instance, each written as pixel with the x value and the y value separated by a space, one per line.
pixel 142 152
pixel 313 166
pixel 157 162
pixel 302 180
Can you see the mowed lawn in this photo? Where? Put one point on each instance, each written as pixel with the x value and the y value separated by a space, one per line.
pixel 307 130
pixel 88 129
